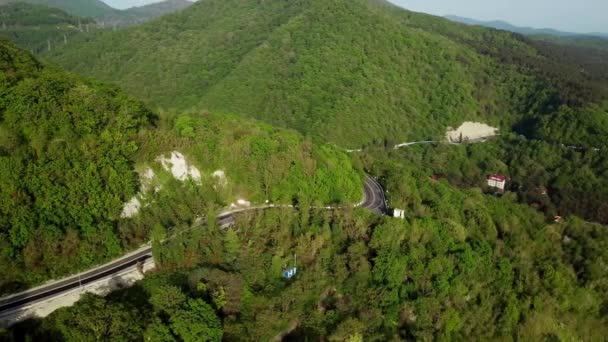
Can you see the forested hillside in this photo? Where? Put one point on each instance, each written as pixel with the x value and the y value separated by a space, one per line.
pixel 599 41
pixel 82 8
pixel 351 72
pixel 141 14
pixel 87 173
pixel 462 266
pixel 103 15
pixel 70 149
pixel 584 42
pixel 66 160
pixel 38 28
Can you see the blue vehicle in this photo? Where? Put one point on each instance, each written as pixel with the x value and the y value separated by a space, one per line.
pixel 291 272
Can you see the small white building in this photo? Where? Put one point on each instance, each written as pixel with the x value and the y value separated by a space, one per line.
pixel 497 181
pixel 399 213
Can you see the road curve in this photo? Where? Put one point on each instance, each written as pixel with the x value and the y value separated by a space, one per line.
pixel 373 196
pixel 373 199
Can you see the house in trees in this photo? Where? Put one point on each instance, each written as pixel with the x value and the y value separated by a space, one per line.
pixel 498 182
pixel 399 213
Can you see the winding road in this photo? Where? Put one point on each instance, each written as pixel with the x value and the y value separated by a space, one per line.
pixel 373 199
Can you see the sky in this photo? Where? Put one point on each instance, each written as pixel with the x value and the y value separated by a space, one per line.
pixel 583 16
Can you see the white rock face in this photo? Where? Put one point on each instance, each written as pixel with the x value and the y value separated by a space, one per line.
pixel 131 208
pixel 220 178
pixel 471 131
pixel 149 174
pixel 146 179
pixel 179 167
pixel 241 203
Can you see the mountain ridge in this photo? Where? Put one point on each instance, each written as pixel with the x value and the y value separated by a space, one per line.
pixel 140 14
pixel 83 8
pixel 506 26
pixel 107 15
pixel 350 72
pixel 37 28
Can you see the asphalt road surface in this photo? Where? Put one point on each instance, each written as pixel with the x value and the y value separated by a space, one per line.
pixel 373 199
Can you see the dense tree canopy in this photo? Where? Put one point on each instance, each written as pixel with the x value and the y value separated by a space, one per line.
pixel 461 266
pixel 466 263
pixel 350 72
pixel 69 152
pixel 82 8
pixel 554 178
pixel 66 155
pixel 38 28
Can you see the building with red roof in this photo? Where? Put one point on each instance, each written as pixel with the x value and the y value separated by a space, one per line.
pixel 497 181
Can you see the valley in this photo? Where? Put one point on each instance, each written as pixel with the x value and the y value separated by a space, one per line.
pixel 234 140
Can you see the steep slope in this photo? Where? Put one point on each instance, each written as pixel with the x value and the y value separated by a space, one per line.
pixel 66 154
pixel 38 28
pixel 70 149
pixel 352 72
pixel 463 267
pixel 83 8
pixel 181 55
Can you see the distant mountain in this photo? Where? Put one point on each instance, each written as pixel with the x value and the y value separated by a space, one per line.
pixel 588 40
pixel 108 16
pixel 38 28
pixel 353 72
pixel 503 25
pixel 159 8
pixel 82 8
pixel 138 15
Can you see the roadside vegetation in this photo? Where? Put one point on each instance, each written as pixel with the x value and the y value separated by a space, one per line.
pixel 68 154
pixel 556 179
pixel 262 98
pixel 463 265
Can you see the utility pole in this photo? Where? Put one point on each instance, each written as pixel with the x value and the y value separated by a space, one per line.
pixel 48 42
pixel 65 39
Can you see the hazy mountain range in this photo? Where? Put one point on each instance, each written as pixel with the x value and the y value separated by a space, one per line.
pixel 503 25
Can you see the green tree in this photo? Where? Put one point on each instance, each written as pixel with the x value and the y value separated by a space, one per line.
pixel 197 321
pixel 231 245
